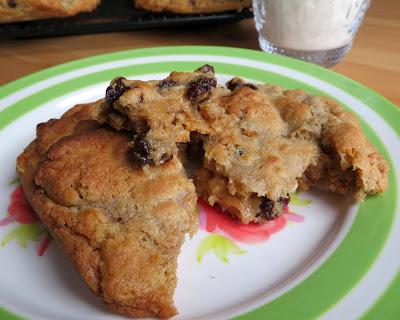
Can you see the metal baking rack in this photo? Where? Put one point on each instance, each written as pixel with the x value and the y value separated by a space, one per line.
pixel 113 16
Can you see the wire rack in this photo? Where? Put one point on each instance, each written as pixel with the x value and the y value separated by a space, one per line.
pixel 109 17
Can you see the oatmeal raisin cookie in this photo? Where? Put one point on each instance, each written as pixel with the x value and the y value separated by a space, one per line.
pixel 260 142
pixel 121 225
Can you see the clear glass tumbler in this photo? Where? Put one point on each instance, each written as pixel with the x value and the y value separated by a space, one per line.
pixel 318 31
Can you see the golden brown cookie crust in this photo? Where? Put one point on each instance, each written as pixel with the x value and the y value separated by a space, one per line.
pixel 21 10
pixel 192 6
pixel 347 162
pixel 96 203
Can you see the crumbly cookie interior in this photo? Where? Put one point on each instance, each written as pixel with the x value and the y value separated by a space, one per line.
pixel 260 142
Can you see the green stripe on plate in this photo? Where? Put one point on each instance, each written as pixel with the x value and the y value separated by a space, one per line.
pixel 387 307
pixel 366 236
pixel 6 315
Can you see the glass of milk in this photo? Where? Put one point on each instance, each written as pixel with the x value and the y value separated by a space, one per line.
pixel 318 31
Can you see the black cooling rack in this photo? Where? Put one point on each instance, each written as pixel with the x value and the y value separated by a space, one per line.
pixel 113 16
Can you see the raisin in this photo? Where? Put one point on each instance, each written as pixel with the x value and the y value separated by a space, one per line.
pixel 266 209
pixel 284 201
pixel 115 90
pixel 141 150
pixel 166 83
pixel 236 84
pixel 201 89
pixel 206 68
pixel 12 3
pixel 251 86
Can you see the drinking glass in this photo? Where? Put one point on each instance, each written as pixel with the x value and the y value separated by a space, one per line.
pixel 318 31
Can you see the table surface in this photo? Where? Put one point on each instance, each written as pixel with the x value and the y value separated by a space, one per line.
pixel 373 61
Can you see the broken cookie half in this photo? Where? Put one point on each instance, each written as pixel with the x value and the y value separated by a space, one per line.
pixel 121 225
pixel 260 143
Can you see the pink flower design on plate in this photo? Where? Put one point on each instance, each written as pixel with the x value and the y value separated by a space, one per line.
pixel 19 209
pixel 215 221
pixel 29 226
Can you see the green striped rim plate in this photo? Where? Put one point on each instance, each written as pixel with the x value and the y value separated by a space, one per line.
pixel 342 262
